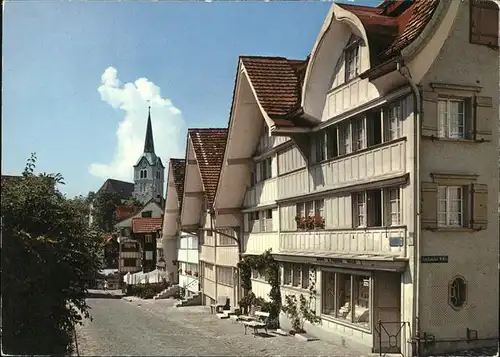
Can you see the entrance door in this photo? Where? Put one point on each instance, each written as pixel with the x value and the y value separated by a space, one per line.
pixel 388 330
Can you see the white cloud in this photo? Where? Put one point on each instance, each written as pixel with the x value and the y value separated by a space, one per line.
pixel 169 127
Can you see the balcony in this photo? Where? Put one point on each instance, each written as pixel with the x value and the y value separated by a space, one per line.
pixel 262 193
pixel 349 95
pixel 227 255
pixel 369 241
pixel 258 243
pixel 207 254
pixel 366 166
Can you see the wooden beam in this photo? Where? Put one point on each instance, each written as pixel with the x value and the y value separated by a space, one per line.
pixel 172 210
pixel 192 162
pixel 195 194
pixel 190 227
pixel 247 162
pixel 234 211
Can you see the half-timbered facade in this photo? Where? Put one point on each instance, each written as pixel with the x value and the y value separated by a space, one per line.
pixel 369 169
pixel 204 153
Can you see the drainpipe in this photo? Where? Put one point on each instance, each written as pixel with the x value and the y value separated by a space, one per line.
pixel 416 193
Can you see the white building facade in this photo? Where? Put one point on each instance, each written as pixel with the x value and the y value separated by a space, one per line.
pixel 188 263
pixel 381 190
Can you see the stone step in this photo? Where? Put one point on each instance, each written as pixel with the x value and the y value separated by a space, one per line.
pixel 222 316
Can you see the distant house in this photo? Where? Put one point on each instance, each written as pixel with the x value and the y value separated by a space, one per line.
pixel 146 231
pixel 122 188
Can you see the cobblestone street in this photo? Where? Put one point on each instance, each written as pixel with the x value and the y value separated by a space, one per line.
pixel 132 326
pixel 147 327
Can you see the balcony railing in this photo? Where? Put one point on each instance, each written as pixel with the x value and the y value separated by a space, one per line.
pixel 384 240
pixel 262 193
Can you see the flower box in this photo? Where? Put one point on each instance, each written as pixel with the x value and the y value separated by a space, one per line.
pixel 309 223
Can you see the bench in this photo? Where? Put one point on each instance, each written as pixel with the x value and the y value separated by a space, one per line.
pixel 261 321
pixel 222 302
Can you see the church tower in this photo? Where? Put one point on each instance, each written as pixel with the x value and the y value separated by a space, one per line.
pixel 149 171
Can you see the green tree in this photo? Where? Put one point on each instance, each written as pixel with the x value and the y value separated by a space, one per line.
pixel 49 253
pixel 103 210
pixel 132 201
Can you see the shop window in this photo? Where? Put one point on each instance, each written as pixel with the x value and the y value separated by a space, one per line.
pixel 346 297
pixel 457 292
pixel 149 255
pixel 148 238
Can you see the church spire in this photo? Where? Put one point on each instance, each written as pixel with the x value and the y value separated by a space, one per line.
pixel 149 145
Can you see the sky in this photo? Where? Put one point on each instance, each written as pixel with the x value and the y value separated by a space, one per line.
pixel 78 77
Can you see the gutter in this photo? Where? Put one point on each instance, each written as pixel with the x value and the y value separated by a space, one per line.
pixel 405 72
pixel 285 131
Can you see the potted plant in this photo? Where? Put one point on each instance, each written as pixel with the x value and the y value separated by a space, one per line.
pixel 195 274
pixel 309 222
pixel 318 222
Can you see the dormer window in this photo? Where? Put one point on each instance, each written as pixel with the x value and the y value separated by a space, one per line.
pixel 352 59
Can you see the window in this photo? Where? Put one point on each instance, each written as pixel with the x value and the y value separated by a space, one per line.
pixel 346 297
pixel 374 128
pixel 225 275
pixel 159 253
pixel 451 118
pixel 331 142
pixel 345 138
pixel 358 128
pixel 149 255
pixel 352 61
pixel 146 214
pixel 287 274
pixel 457 293
pixel 144 173
pixel 265 169
pixel 450 206
pixel 310 215
pixel 260 274
pixel 393 207
pixel 148 238
pixel 320 147
pixel 253 221
pixel 296 275
pixel 360 209
pixel 129 262
pixel 393 122
pixel 369 205
pixel 484 23
pixel 305 276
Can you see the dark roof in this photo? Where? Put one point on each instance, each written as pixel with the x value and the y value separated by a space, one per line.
pixel 124 212
pixel 209 146
pixel 149 145
pixel 122 188
pixel 146 225
pixel 178 169
pixel 277 82
pixel 392 26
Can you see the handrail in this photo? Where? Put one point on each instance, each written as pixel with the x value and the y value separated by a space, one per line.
pixel 196 279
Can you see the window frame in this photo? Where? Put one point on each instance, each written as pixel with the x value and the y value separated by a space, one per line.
pixel 448 206
pixel 454 289
pixel 393 114
pixel 352 57
pixel 445 124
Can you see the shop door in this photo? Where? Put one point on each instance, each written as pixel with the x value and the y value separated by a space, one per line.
pixel 388 329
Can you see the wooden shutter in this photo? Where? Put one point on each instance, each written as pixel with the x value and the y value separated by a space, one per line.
pixel 479 213
pixel 428 205
pixel 484 23
pixel 429 116
pixel 483 107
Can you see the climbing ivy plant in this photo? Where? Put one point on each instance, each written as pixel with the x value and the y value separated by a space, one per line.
pixel 261 262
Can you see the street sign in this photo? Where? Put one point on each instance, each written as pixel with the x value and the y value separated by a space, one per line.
pixel 434 259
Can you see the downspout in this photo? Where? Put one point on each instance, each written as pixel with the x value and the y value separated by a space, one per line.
pixel 405 72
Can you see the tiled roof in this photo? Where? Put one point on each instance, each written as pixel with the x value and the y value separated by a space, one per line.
pixel 277 82
pixel 421 13
pixel 146 225
pixel 389 33
pixel 209 146
pixel 124 212
pixel 124 189
pixel 178 167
